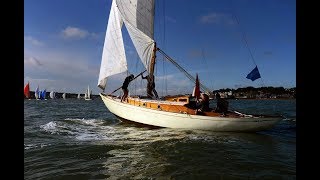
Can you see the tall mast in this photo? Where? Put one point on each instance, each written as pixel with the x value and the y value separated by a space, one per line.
pixel 151 70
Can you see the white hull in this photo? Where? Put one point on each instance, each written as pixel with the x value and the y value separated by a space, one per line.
pixel 160 118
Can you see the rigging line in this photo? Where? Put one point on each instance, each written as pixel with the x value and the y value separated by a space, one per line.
pixel 204 88
pixel 206 65
pixel 246 42
pixel 164 45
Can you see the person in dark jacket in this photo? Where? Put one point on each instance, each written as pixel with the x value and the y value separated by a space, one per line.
pixel 203 105
pixel 151 90
pixel 125 87
pixel 222 105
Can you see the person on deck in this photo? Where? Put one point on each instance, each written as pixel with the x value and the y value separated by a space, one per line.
pixel 203 105
pixel 222 105
pixel 125 87
pixel 151 91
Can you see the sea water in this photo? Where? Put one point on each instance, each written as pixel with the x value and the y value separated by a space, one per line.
pixel 78 139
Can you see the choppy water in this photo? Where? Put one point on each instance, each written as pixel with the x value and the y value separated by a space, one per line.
pixel 77 139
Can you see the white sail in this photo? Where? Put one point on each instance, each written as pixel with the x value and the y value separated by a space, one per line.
pixel 52 94
pixel 88 93
pixel 113 55
pixel 36 93
pixel 64 95
pixel 138 16
pixel 79 96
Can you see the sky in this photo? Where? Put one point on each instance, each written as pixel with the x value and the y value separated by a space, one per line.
pixel 221 41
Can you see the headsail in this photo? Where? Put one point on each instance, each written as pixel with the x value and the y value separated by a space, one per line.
pixel 113 55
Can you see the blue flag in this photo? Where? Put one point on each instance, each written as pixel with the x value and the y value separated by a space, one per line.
pixel 254 74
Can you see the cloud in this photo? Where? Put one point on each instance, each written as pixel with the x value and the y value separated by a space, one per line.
pixel 74 33
pixel 68 71
pixel 33 41
pixel 216 18
pixel 32 61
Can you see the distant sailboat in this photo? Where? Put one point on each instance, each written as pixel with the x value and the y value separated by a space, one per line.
pixel 87 95
pixel 64 96
pixel 79 97
pixel 36 93
pixel 43 94
pixel 27 91
pixel 52 95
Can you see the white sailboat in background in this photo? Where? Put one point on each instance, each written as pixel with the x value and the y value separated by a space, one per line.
pixel 87 95
pixel 52 95
pixel 36 93
pixel 64 96
pixel 176 112
pixel 79 97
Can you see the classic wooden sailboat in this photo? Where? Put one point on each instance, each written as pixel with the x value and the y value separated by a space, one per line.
pixel 170 112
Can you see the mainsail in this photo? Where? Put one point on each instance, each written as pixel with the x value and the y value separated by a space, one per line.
pixel 138 16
